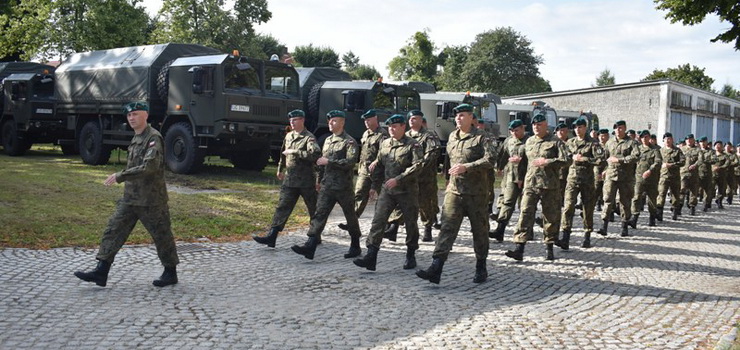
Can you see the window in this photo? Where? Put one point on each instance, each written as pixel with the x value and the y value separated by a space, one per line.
pixel 723 109
pixel 680 99
pixel 407 101
pixel 235 78
pixel 703 104
pixel 282 80
pixel 737 112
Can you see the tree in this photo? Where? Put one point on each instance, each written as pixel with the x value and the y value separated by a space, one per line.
pixel 263 46
pixel 502 61
pixel 687 74
pixel 312 56
pixel 416 61
pixel 364 72
pixel 691 12
pixel 729 91
pixel 604 78
pixel 452 59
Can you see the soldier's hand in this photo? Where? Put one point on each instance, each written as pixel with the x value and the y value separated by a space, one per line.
pixel 540 162
pixel 322 161
pixel 280 176
pixel 646 174
pixel 500 172
pixel 318 187
pixel 372 166
pixel 391 183
pixel 110 180
pixel 457 169
pixel 373 195
pixel 613 160
pixel 578 157
pixel 290 151
pixel 520 184
pixel 692 166
pixel 515 159
pixel 667 165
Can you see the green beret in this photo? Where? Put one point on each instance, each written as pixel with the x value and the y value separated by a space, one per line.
pixel 644 133
pixel 414 112
pixel 135 106
pixel 580 121
pixel 424 119
pixel 718 141
pixel 561 125
pixel 481 121
pixel 395 119
pixel 653 136
pixel 681 141
pixel 703 138
pixel 334 114
pixel 729 143
pixel 595 128
pixel 620 123
pixel 690 136
pixel 603 131
pixel 539 117
pixel 667 135
pixel 631 131
pixel 369 114
pixel 296 113
pixel 515 124
pixel 463 108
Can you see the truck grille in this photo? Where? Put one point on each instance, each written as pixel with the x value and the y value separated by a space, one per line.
pixel 268 111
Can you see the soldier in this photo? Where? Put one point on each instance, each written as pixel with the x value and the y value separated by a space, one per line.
pixel 370 143
pixel 471 157
pixel 336 165
pixel 512 166
pixel 144 199
pixel 706 182
pixel 546 154
pixel 719 172
pixel 296 169
pixel 398 165
pixel 599 171
pixel 647 174
pixel 561 131
pixel 492 176
pixel 633 136
pixel 689 178
pixel 737 168
pixel 733 163
pixel 670 177
pixel 586 153
pixel 622 154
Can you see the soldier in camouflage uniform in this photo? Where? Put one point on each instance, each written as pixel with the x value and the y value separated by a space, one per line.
pixel 647 176
pixel 622 155
pixel 599 170
pixel 546 154
pixel 471 157
pixel 737 168
pixel 670 176
pixel 706 182
pixel 144 199
pixel 398 165
pixel 733 163
pixel 336 167
pixel 719 172
pixel 586 153
pixel 512 167
pixel 561 131
pixel 296 169
pixel 481 125
pixel 689 177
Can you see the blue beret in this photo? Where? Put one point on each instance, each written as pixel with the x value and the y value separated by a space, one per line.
pixel 135 106
pixel 515 124
pixel 620 123
pixel 334 114
pixel 539 117
pixel 369 114
pixel 463 108
pixel 415 112
pixel 395 119
pixel 296 113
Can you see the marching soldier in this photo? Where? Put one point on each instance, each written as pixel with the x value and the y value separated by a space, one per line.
pixel 399 162
pixel 492 178
pixel 296 169
pixel 733 163
pixel 670 176
pixel 622 154
pixel 719 172
pixel 599 170
pixel 689 178
pixel 561 131
pixel 512 164
pixel 705 173
pixel 336 165
pixel 471 157
pixel 647 174
pixel 546 154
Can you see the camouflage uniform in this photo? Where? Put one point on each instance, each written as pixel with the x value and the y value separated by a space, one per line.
pixel 599 180
pixel 513 173
pixel 581 180
pixel 370 145
pixel 737 172
pixel 144 199
pixel 690 177
pixel 732 165
pixel 670 177
pixel 650 159
pixel 705 176
pixel 719 175
pixel 300 175
pixel 563 174
pixel 620 176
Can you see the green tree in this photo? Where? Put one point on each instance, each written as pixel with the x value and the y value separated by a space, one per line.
pixel 364 72
pixel 350 61
pixel 503 61
pixel 691 12
pixel 416 61
pixel 729 91
pixel 452 59
pixel 263 46
pixel 686 73
pixel 312 56
pixel 604 78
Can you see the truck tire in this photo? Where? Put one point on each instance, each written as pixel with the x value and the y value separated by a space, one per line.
pixel 90 143
pixel 313 103
pixel 181 151
pixel 255 160
pixel 163 81
pixel 13 144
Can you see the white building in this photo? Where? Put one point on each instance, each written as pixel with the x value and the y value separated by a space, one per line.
pixel 658 105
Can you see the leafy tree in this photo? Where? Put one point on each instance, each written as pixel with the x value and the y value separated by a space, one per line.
pixel 416 61
pixel 729 91
pixel 263 46
pixel 690 12
pixel 502 61
pixel 312 56
pixel 364 72
pixel 687 74
pixel 452 59
pixel 604 78
pixel 350 61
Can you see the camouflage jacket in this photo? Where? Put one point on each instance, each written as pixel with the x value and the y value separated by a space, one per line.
pixel 551 148
pixel 341 150
pixel 719 169
pixel 737 168
pixel 431 148
pixel 583 172
pixel 402 160
pixel 709 158
pixel 565 168
pixel 675 156
pixel 370 142
pixel 650 159
pixel 733 163
pixel 627 152
pixel 512 146
pixel 475 151
pixel 601 167
pixel 299 168
pixel 144 174
pixel 692 156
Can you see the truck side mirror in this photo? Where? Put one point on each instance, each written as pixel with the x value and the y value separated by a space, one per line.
pixel 197 80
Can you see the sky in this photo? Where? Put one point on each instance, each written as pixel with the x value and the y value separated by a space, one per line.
pixel 577 39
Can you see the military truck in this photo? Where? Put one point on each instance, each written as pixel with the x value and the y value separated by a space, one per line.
pixel 514 109
pixel 438 110
pixel 204 102
pixel 326 89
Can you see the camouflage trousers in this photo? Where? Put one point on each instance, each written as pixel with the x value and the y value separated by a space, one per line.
pixel 510 194
pixel 454 208
pixel 288 199
pixel 362 192
pixel 551 213
pixel 689 190
pixel 731 185
pixel 720 179
pixel 672 183
pixel 645 190
pixel 706 185
pixel 428 204
pixel 408 205
pixel 325 204
pixel 156 220
pixel 588 203
pixel 626 189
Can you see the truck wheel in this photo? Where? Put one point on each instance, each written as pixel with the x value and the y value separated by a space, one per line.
pixel 13 144
pixel 312 114
pixel 92 149
pixel 255 159
pixel 181 152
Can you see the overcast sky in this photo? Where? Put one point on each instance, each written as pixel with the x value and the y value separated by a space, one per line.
pixel 576 38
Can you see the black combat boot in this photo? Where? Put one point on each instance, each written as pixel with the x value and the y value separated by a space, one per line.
pixel 481 273
pixel 692 211
pixel 268 239
pixel 611 217
pixel 550 255
pixel 659 214
pixel 564 243
pixel 680 210
pixel 586 240
pixel 719 204
pixel 370 259
pixel 651 220
pixel 434 272
pixel 598 206
pixel 498 233
pixel 99 275
pixel 675 214
pixel 308 248
pixel 729 200
pixel 410 262
pixel 706 208
pixel 391 232
pixel 427 234
pixel 169 276
pixel 530 233
pixel 343 226
pixel 437 225
pixel 354 248
pixel 625 232
pixel 633 220
pixel 538 220
pixel 603 230
pixel 517 253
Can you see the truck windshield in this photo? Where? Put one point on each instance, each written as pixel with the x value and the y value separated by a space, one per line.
pixel 235 78
pixel 282 80
pixel 408 100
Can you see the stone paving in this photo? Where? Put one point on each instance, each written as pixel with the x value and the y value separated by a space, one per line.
pixel 675 286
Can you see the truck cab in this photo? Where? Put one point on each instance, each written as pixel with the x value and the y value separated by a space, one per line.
pixel 513 109
pixel 438 109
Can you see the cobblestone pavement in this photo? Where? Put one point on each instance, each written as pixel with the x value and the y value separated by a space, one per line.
pixel 675 286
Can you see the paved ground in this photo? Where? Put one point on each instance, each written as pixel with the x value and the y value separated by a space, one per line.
pixel 676 286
